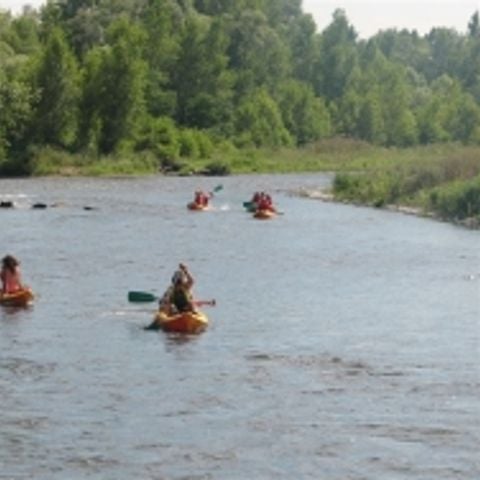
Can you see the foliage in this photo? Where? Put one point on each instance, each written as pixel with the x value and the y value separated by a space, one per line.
pixel 179 80
pixel 446 182
pixel 56 81
pixel 259 122
pixel 457 200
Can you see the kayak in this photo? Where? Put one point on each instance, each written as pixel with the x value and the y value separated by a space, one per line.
pixel 186 322
pixel 196 206
pixel 264 214
pixel 18 299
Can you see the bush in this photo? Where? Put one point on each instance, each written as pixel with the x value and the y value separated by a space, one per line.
pixel 458 200
pixel 217 168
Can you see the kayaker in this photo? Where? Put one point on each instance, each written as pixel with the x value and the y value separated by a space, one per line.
pixel 178 297
pixel 256 197
pixel 10 275
pixel 201 198
pixel 265 203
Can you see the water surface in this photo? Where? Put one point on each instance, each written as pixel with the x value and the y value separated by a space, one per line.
pixel 345 343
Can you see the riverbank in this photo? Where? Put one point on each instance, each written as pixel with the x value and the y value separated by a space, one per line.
pixel 328 196
pixel 438 182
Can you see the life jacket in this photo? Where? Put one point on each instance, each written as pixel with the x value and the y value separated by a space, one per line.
pixel 181 298
pixel 10 281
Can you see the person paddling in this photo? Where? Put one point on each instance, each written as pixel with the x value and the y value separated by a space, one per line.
pixel 10 275
pixel 265 203
pixel 178 296
pixel 201 198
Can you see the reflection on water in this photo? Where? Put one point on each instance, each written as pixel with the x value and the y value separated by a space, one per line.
pixel 344 343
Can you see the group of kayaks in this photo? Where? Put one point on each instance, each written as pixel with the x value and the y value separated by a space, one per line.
pixel 184 322
pixel 257 206
pixel 258 213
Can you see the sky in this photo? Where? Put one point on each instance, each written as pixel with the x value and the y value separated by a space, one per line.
pixel 370 16
pixel 367 16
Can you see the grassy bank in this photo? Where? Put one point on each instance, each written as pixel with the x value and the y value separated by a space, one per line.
pixel 329 155
pixel 440 181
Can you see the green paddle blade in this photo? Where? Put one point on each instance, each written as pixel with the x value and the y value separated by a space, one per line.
pixel 218 188
pixel 141 297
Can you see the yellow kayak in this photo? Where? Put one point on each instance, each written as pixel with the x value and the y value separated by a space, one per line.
pixel 196 206
pixel 18 299
pixel 185 322
pixel 264 214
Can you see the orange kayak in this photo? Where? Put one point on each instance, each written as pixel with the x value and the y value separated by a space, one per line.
pixel 196 206
pixel 18 299
pixel 186 322
pixel 264 214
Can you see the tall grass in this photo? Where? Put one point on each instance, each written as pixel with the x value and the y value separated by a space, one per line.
pixel 443 180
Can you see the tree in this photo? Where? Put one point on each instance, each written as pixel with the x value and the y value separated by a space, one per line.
pixel 474 25
pixel 121 78
pixel 305 116
pixel 56 81
pixel 302 40
pixel 258 122
pixel 16 100
pixel 337 58
pixel 164 23
pixel 202 80
pixel 257 53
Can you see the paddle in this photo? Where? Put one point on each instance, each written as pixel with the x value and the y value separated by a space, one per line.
pixel 143 297
pixel 216 190
pixel 135 296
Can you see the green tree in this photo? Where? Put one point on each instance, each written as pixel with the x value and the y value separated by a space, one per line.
pixel 474 25
pixel 16 100
pixel 56 81
pixel 164 23
pixel 122 79
pixel 371 125
pixel 302 40
pixel 203 82
pixel 376 103
pixel 90 123
pixel 258 122
pixel 305 116
pixel 337 57
pixel 257 53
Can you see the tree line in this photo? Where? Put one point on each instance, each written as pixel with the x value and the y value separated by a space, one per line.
pixel 183 78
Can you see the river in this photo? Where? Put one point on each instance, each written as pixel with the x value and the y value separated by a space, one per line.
pixel 345 343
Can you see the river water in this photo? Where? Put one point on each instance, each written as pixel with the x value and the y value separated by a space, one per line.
pixel 345 343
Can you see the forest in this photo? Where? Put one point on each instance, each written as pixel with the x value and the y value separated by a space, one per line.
pixel 160 84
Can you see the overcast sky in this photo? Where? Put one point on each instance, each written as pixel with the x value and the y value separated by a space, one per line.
pixel 368 16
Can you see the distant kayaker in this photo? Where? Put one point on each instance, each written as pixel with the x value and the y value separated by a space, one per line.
pixel 201 198
pixel 10 275
pixel 265 202
pixel 178 297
